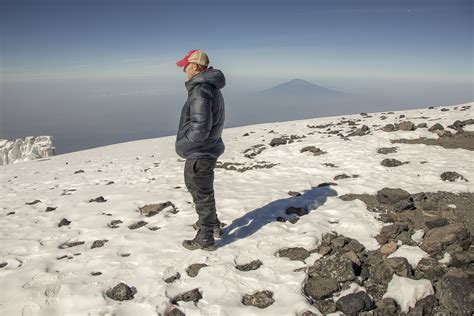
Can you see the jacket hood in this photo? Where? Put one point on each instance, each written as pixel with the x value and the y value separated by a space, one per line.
pixel 210 75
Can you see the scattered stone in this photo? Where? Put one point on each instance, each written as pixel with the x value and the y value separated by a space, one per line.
pixel 387 150
pixel 320 287
pixel 387 307
pixel 388 248
pixel 280 219
pixel 328 164
pixel 3 264
pixel 253 265
pixel 294 193
pixel 425 306
pixel 454 292
pixel 137 225
pixel 96 273
pixel 121 292
pixel 79 171
pixel 69 244
pixel 364 130
pixel 260 299
pixel 33 203
pixel 462 139
pixel 50 209
pixel 452 176
pixel 313 149
pixel 99 199
pixel 400 266
pixel 354 303
pixel 193 270
pixel 398 199
pixel 114 223
pixel 334 266
pixel 10 213
pixel 64 222
pixel 173 278
pixel 325 306
pixel 190 296
pixel 422 125
pixel 257 165
pixel 438 222
pixel 98 243
pixel 254 150
pixel 391 162
pixel 449 237
pixel 294 253
pixel 300 211
pixel 406 126
pixel 341 176
pixel 429 268
pixel 153 209
pixel 174 311
pixel 436 127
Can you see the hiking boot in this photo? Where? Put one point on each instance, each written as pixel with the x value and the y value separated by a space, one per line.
pixel 204 240
pixel 217 232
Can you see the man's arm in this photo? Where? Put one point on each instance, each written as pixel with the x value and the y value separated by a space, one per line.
pixel 200 111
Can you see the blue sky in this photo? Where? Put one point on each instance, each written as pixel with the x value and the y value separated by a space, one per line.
pixel 95 72
pixel 428 40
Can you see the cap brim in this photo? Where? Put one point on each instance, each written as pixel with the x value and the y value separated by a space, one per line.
pixel 181 63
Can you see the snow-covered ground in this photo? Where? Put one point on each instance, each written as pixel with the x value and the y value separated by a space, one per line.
pixel 36 282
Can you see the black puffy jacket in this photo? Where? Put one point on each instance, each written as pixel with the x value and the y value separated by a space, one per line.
pixel 202 117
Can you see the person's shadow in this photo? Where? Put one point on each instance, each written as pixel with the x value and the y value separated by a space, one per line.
pixel 252 221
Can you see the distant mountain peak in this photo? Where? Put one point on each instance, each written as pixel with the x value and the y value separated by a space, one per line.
pixel 299 86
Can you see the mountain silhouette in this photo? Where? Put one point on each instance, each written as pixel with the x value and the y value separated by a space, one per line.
pixel 299 87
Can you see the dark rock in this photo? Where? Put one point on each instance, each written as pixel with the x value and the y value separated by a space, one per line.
pixel 463 259
pixel 390 162
pixel 400 266
pixel 399 199
pixel 173 278
pixel 316 151
pixel 190 296
pixel 438 222
pixel 455 290
pixel 260 299
pixel 64 222
pixel 98 243
pixel 354 303
pixel 33 203
pixel 376 274
pixel 406 126
pixel 99 199
pixel 334 266
pixel 137 225
pixel 439 239
pixel 387 307
pixel 325 306
pixel 193 269
pixel 79 171
pixel 389 128
pixel 422 125
pixel 339 242
pixel 174 311
pixel 320 287
pixel 121 292
pixel 114 223
pixel 280 219
pixel 253 265
pixel 294 193
pixel 386 150
pixel 70 244
pixel 424 306
pixel 50 209
pixel 300 211
pixel 96 273
pixel 436 127
pixel 3 264
pixel 294 253
pixel 153 209
pixel 364 130
pixel 294 220
pixel 341 176
pixel 452 176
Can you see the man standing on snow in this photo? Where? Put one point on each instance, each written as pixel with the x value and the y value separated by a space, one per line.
pixel 199 141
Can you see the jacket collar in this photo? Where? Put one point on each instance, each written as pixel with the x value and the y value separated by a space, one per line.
pixel 210 75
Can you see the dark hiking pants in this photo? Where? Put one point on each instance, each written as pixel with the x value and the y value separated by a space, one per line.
pixel 199 180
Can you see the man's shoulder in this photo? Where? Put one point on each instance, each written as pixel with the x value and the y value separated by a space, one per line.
pixel 202 90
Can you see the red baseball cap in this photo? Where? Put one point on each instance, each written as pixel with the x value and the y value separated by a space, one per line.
pixel 194 56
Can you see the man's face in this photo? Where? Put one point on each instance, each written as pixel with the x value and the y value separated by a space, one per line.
pixel 190 70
